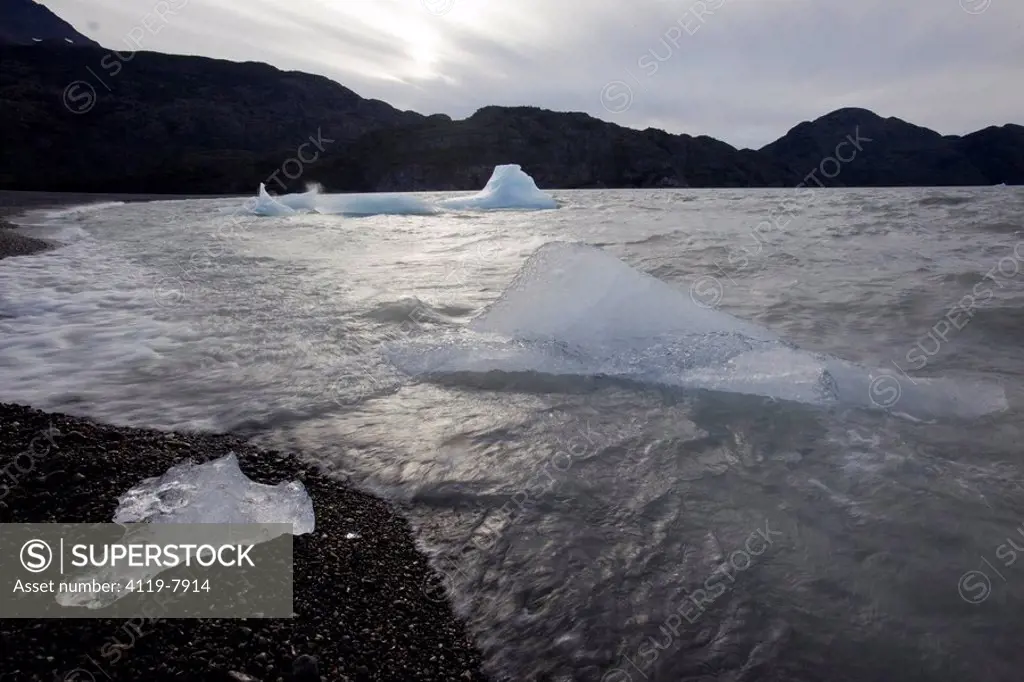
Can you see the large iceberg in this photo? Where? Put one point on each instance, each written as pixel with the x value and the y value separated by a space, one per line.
pixel 508 188
pixel 574 309
pixel 215 492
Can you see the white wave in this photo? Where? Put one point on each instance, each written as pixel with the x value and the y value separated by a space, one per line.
pixel 574 309
pixel 60 232
pixel 508 188
pixel 62 225
pixel 81 208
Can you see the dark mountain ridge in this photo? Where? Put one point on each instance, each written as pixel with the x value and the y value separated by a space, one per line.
pixel 25 22
pixel 91 120
pixel 561 150
pixel 894 152
pixel 83 119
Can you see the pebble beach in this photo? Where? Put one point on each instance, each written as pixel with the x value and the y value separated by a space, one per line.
pixel 367 604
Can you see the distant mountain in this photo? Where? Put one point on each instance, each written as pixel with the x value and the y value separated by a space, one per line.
pixel 85 119
pixel 560 150
pixel 996 152
pixel 894 152
pixel 24 22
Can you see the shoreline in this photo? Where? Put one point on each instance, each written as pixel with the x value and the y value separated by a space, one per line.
pixel 14 203
pixel 368 608
pixel 13 243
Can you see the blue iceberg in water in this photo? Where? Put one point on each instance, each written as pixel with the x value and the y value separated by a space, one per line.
pixel 267 205
pixel 508 188
pixel 314 201
pixel 382 203
pixel 574 309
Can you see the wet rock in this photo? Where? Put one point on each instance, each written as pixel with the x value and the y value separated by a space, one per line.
pixel 305 669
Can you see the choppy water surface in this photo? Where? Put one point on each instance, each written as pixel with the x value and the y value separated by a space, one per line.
pixel 617 487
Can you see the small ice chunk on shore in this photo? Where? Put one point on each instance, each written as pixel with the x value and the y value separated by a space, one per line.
pixel 510 188
pixel 215 492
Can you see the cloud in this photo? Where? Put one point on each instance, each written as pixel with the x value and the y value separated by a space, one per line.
pixel 744 71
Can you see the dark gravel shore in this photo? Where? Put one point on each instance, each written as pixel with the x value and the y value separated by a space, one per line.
pixel 14 244
pixel 367 608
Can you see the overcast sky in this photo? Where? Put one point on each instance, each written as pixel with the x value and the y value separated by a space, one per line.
pixel 744 71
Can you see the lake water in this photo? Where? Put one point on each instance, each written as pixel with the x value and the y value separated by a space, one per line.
pixel 794 455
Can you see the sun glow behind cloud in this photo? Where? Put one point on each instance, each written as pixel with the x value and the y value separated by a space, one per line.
pixel 409 37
